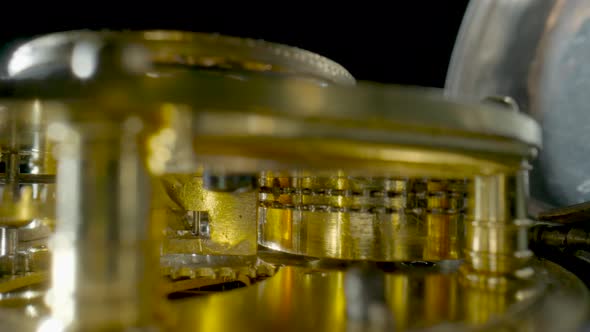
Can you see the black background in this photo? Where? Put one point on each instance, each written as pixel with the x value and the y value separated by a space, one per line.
pixel 401 42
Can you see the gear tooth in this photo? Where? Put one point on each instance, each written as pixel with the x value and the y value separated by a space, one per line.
pixel 233 271
pixel 239 271
pixel 227 273
pixel 265 269
pixel 251 272
pixel 205 272
pixel 262 271
pixel 185 272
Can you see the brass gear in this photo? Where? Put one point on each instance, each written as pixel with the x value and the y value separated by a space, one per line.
pixel 186 271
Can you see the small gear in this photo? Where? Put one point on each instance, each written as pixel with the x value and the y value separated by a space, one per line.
pixel 186 271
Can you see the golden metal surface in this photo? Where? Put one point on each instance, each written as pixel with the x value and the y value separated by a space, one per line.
pixel 308 299
pixel 17 212
pixel 387 170
pixel 180 266
pixel 231 216
pixel 232 219
pixel 11 283
pixel 355 158
pixel 496 226
pixel 343 217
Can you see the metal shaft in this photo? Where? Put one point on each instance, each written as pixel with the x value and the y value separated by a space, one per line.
pixel 8 249
pixel 8 241
pixel 103 257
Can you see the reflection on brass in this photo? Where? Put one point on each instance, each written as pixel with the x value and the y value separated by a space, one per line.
pixel 304 299
pixel 375 206
pixel 20 211
pixel 253 153
pixel 232 219
pixel 496 227
pixel 423 300
pixel 27 207
pixel 345 217
pixel 12 283
pixel 230 227
pixel 482 305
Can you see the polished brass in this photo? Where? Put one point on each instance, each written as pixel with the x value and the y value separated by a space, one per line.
pixel 27 195
pixel 346 173
pixel 314 299
pixel 383 219
pixel 256 148
pixel 232 219
pixel 213 270
pixel 231 216
pixel 21 211
pixel 113 149
pixel 496 227
pixel 100 150
pixel 103 247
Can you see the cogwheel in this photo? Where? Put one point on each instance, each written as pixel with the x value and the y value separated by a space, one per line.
pixel 187 271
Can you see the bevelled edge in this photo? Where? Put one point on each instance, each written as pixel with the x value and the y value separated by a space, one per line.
pixel 56 49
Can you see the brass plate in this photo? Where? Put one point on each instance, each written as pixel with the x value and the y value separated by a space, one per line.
pixel 314 299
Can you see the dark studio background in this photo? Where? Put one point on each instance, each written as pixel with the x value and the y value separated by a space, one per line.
pixel 402 42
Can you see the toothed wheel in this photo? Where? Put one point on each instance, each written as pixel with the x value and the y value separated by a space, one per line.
pixel 187 272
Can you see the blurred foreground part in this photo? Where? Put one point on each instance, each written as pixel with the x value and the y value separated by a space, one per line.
pixel 169 168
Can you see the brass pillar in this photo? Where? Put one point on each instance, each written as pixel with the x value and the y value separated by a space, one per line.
pixel 496 242
pixel 104 260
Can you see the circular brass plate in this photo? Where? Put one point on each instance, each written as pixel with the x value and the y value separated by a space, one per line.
pixel 307 298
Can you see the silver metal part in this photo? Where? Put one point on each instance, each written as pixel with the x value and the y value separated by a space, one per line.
pixel 366 303
pixel 199 223
pixel 103 273
pixel 8 241
pixel 56 55
pixel 229 182
pixel 8 250
pixel 535 51
pixel 503 101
